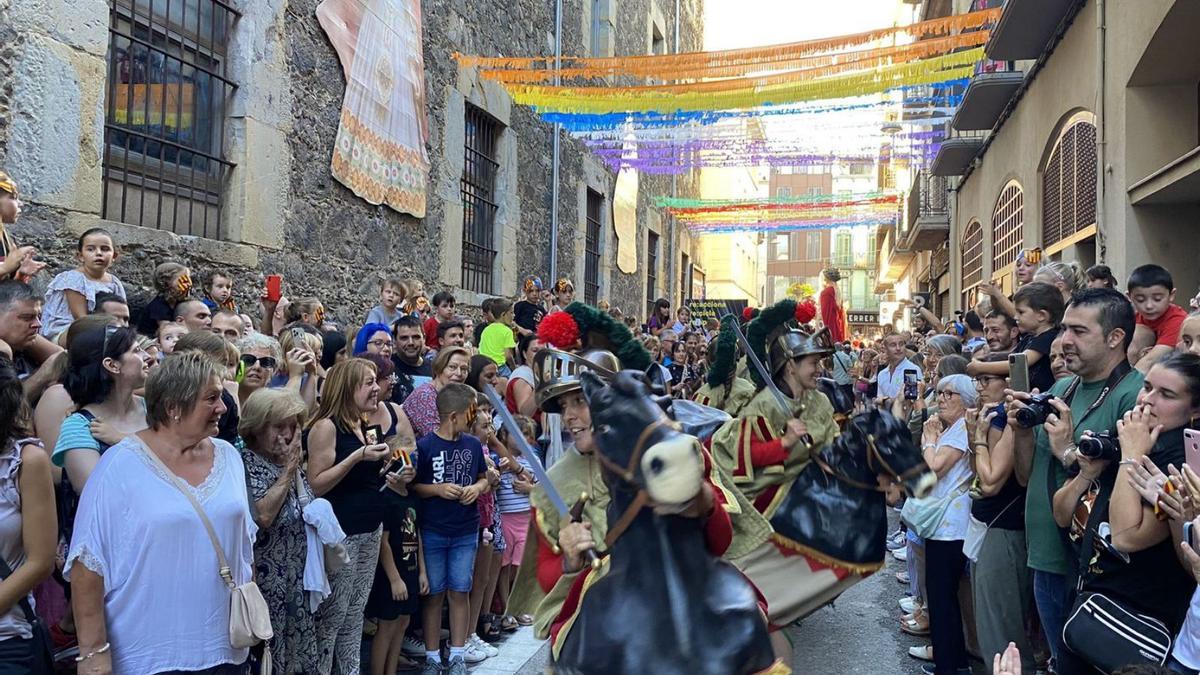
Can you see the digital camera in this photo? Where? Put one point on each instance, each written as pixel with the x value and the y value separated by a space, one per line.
pixel 1103 445
pixel 1036 410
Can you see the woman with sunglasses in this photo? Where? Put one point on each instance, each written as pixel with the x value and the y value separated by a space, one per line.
pixel 261 356
pixel 104 369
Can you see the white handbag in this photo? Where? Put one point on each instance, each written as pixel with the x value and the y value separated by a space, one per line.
pixel 249 617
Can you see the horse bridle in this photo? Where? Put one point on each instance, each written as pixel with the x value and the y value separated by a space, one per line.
pixel 628 475
pixel 873 456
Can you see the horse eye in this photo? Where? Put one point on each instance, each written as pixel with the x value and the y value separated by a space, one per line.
pixel 604 429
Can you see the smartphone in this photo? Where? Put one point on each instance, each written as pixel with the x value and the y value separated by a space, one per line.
pixel 274 287
pixel 1191 448
pixel 910 385
pixel 372 434
pixel 1018 372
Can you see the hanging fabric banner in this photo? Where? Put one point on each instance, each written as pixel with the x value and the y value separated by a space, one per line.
pixel 625 196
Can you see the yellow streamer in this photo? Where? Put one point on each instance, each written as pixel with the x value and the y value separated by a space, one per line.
pixel 758 56
pixel 809 65
pixel 655 99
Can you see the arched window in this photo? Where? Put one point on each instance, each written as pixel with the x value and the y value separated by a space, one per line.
pixel 972 254
pixel 1008 223
pixel 1069 181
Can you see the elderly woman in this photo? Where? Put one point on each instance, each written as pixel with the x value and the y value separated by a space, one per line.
pixel 451 365
pixel 346 453
pixel 27 524
pixel 225 353
pixel 942 517
pixel 148 596
pixel 261 357
pixel 271 424
pixel 300 368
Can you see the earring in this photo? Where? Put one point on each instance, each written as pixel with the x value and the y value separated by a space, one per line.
pixel 177 418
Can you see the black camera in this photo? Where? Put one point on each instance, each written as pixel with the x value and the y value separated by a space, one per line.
pixel 1036 410
pixel 1103 445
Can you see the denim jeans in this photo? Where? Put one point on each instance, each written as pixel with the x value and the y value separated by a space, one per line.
pixel 1177 667
pixel 1051 593
pixel 16 656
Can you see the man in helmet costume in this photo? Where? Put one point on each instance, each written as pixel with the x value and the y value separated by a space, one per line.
pixel 554 560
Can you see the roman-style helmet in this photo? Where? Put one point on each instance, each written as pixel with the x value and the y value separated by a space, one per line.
pixel 556 373
pixel 792 343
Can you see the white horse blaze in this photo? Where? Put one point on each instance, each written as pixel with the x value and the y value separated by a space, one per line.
pixel 673 470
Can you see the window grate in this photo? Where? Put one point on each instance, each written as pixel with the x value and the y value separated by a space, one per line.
pixel 591 248
pixel 478 187
pixel 1069 183
pixel 165 109
pixel 651 271
pixel 972 257
pixel 1008 222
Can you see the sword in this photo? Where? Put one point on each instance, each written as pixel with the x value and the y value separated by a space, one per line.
pixel 766 377
pixel 535 464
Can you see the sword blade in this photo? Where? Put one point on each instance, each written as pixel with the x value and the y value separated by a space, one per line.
pixel 762 370
pixel 535 462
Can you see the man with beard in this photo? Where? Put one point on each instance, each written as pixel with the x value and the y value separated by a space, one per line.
pixel 1000 331
pixel 412 370
pixel 1097 329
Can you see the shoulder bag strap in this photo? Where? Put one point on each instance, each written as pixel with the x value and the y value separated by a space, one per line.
pixel 223 570
pixel 30 617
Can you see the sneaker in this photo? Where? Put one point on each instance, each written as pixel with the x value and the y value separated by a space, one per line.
pixel 907 604
pixel 482 645
pixel 431 668
pixel 900 554
pixel 902 577
pixel 473 654
pixel 457 667
pixel 896 540
pixel 413 647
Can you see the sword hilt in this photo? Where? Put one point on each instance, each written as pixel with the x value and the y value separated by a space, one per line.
pixel 589 556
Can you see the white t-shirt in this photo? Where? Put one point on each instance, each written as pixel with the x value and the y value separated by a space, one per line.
pixel 957 479
pixel 891 381
pixel 165 603
pixel 1187 645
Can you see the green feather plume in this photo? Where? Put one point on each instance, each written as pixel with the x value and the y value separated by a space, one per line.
pixel 726 355
pixel 598 330
pixel 758 330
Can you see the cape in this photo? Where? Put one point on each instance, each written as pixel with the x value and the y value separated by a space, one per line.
pixel 740 393
pixel 762 420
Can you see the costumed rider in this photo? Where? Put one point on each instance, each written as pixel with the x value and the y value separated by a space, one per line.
pixel 723 389
pixel 764 449
pixel 555 560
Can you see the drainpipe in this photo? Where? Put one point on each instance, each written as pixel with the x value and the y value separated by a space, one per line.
pixel 1101 138
pixel 556 148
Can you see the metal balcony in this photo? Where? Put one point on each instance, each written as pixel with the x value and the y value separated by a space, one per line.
pixel 928 213
pixel 1026 27
pixel 956 154
pixel 987 95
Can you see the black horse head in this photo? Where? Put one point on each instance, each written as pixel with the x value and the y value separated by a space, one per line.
pixel 639 445
pixel 875 443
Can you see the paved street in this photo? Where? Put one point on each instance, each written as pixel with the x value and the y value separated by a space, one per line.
pixel 857 635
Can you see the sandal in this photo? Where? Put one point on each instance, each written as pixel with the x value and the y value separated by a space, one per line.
pixel 488 628
pixel 912 626
pixel 923 652
pixel 525 619
pixel 509 623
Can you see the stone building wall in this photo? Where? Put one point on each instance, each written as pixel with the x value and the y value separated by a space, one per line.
pixel 283 211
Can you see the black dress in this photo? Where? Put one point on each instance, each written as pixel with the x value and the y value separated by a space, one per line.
pixel 400 522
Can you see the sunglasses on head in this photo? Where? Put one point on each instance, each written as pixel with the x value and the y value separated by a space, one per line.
pixel 109 330
pixel 267 362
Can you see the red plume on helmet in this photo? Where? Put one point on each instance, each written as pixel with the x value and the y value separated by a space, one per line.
pixel 806 311
pixel 747 313
pixel 560 330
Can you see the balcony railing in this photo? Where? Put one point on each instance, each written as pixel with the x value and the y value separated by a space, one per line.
pixel 927 197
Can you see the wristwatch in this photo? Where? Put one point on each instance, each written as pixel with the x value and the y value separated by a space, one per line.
pixel 1068 457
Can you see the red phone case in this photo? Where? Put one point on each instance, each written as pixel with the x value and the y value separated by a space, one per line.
pixel 274 287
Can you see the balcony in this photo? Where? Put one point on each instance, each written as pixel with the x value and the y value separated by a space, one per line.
pixel 1176 183
pixel 987 96
pixel 928 213
pixel 1026 27
pixel 894 258
pixel 956 154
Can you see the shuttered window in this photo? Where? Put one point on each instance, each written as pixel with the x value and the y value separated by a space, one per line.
pixel 1008 223
pixel 972 254
pixel 1069 182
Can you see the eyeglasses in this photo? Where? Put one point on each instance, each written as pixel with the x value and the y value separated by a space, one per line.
pixel 947 393
pixel 267 362
pixel 379 344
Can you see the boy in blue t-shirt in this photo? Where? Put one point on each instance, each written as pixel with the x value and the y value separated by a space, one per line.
pixel 451 475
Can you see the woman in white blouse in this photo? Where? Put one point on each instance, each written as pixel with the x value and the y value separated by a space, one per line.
pixel 148 597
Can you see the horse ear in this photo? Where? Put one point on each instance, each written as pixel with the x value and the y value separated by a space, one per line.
pixel 591 384
pixel 654 378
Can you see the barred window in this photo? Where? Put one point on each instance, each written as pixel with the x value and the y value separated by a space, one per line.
pixel 1069 182
pixel 478 187
pixel 972 254
pixel 651 271
pixel 685 278
pixel 1008 224
pixel 591 248
pixel 165 109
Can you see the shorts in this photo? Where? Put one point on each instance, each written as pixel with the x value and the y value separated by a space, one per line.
pixel 380 604
pixel 516 528
pixel 449 561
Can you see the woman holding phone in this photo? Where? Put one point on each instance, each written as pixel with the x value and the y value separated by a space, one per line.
pixel 1136 566
pixel 346 456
